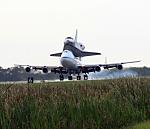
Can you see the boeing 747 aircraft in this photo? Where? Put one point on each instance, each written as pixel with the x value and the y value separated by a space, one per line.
pixel 70 59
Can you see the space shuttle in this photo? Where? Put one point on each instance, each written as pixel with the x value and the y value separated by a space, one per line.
pixel 75 47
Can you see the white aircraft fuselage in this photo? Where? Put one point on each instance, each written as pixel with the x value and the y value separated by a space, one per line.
pixel 69 61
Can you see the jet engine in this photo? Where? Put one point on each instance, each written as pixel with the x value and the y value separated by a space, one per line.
pixel 97 69
pixel 120 67
pixel 45 70
pixel 28 69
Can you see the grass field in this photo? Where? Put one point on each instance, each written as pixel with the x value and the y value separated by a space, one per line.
pixel 143 125
pixel 101 104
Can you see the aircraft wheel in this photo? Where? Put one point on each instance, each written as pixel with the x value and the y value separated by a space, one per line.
pixel 85 77
pixel 70 77
pixel 61 77
pixel 78 77
pixel 30 80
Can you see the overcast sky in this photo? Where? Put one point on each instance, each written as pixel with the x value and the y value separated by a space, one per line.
pixel 32 29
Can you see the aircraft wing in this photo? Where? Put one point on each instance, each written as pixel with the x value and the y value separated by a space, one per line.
pixel 84 53
pixel 45 69
pixel 107 66
pixel 33 66
pixel 81 68
pixel 56 54
pixel 96 67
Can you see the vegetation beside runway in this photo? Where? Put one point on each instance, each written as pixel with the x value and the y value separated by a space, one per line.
pixel 142 125
pixel 100 104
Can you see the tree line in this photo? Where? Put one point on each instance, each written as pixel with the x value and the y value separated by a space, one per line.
pixel 19 74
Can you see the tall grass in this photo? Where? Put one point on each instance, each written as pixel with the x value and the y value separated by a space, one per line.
pixel 142 125
pixel 103 104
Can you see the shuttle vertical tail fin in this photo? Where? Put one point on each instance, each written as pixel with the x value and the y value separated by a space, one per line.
pixel 76 35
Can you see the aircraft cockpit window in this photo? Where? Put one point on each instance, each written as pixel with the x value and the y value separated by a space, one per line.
pixel 69 38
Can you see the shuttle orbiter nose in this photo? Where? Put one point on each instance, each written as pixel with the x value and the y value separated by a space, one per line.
pixel 69 40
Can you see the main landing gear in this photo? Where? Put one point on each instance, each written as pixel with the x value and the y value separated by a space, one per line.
pixel 78 77
pixel 61 77
pixel 70 77
pixel 85 77
pixel 30 79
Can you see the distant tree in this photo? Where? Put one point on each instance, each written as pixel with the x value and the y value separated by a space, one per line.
pixel 144 71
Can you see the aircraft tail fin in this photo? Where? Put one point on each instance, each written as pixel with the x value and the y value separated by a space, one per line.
pixel 76 35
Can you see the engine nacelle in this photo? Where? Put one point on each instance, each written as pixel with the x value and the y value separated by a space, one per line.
pixel 28 69
pixel 97 69
pixel 45 70
pixel 120 67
